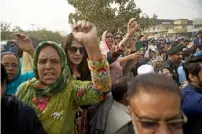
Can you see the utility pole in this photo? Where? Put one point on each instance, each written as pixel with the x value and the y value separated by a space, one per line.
pixel 33 26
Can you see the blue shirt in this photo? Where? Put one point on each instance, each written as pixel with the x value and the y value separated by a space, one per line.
pixel 192 100
pixel 182 76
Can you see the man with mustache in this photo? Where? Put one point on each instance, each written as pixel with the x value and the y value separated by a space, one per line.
pixel 174 58
pixel 154 106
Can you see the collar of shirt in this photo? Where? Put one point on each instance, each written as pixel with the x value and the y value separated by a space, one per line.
pixel 197 89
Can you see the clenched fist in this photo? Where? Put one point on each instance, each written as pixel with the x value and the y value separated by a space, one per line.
pixel 86 33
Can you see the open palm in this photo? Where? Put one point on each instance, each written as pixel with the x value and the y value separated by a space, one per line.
pixel 24 42
pixel 132 26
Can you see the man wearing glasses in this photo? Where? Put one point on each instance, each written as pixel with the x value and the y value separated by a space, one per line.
pixel 154 106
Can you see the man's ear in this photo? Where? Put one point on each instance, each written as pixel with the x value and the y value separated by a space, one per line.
pixel 129 110
pixel 192 77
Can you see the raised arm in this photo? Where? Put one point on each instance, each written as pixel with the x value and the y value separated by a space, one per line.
pixel 131 30
pixel 25 43
pixel 86 92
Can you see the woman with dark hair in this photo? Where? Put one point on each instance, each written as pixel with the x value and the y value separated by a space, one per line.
pixel 76 58
pixel 118 37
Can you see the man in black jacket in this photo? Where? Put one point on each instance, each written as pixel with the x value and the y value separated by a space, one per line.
pixel 16 117
pixel 173 62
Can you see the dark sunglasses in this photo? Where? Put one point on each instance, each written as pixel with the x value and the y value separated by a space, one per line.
pixel 109 37
pixel 73 49
pixel 118 38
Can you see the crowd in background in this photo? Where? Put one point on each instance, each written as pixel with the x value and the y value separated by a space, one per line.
pixel 125 84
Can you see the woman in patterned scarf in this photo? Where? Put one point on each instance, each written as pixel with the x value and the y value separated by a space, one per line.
pixel 54 94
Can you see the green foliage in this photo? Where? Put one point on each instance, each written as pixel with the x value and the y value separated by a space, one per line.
pixel 105 16
pixel 36 36
pixel 5 31
pixel 44 34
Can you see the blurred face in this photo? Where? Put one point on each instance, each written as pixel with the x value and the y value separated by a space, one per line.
pixel 109 38
pixel 200 35
pixel 197 80
pixel 177 58
pixel 155 113
pixel 49 66
pixel 132 43
pixel 186 43
pixel 118 39
pixel 11 64
pixel 76 52
pixel 165 48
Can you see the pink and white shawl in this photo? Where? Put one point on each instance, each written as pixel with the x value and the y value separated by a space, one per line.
pixel 115 67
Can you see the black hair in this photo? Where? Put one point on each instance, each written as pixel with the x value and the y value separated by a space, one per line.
pixel 120 87
pixel 4 76
pixel 83 66
pixel 192 66
pixel 153 83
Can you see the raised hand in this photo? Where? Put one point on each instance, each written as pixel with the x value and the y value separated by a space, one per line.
pixel 86 33
pixel 24 43
pixel 136 56
pixel 132 27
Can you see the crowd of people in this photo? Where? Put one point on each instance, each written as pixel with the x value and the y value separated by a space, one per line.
pixel 123 84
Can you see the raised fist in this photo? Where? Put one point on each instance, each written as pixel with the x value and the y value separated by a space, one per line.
pixel 86 33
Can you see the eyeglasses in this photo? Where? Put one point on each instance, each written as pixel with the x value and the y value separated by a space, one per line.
pixel 10 65
pixel 117 37
pixel 109 37
pixel 173 124
pixel 73 49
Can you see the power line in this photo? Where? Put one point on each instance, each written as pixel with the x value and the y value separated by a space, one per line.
pixel 182 5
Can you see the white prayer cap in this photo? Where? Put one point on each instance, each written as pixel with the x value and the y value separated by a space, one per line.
pixel 145 69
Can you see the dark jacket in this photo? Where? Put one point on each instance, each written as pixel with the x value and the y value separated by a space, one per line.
pixel 197 42
pixel 126 129
pixel 99 120
pixel 18 118
pixel 192 107
pixel 173 70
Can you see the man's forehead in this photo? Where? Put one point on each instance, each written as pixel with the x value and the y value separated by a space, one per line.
pixel 153 98
pixel 155 105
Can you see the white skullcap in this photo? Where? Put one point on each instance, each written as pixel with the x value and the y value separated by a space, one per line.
pixel 145 69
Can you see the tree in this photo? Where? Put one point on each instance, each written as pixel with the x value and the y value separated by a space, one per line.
pixel 5 31
pixel 17 29
pixel 105 16
pixel 36 36
pixel 44 34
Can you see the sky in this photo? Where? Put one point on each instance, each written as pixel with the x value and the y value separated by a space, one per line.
pixel 53 14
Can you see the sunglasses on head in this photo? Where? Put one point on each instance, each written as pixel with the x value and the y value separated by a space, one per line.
pixel 73 49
